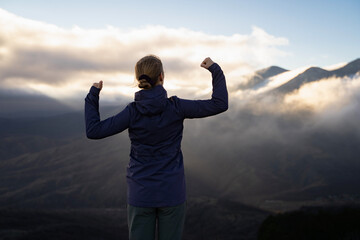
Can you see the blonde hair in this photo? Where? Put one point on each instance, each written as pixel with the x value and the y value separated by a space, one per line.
pixel 151 66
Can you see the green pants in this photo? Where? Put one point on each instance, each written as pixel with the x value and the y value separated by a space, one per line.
pixel 144 221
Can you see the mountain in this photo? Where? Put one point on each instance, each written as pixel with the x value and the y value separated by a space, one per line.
pixel 259 77
pixel 32 134
pixel 310 75
pixel 81 173
pixel 315 73
pixel 267 78
pixel 270 71
pixel 349 69
pixel 15 104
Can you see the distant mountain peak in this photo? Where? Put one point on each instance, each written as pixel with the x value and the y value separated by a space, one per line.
pixel 349 69
pixel 259 77
pixel 15 104
pixel 316 73
pixel 309 75
pixel 314 70
pixel 270 71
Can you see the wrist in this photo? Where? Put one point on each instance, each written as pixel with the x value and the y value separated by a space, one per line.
pixel 94 90
pixel 213 67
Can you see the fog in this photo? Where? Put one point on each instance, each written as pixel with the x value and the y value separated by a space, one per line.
pixel 300 145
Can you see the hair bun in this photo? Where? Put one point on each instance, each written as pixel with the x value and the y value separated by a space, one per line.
pixel 148 79
pixel 144 84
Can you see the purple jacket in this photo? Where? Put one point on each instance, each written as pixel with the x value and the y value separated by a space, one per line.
pixel 155 174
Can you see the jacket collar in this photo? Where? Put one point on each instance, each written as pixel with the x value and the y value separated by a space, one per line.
pixel 155 92
pixel 152 101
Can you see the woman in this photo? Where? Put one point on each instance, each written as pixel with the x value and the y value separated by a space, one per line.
pixel 155 174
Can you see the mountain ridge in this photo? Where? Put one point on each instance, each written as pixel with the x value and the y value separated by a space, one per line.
pixel 16 104
pixel 316 73
pixel 260 76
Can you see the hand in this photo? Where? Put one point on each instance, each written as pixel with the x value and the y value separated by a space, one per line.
pixel 207 63
pixel 98 85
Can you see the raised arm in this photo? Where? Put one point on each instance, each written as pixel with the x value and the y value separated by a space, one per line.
pixel 96 129
pixel 219 98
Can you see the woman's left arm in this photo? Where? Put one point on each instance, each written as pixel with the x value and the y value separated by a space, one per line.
pixel 96 129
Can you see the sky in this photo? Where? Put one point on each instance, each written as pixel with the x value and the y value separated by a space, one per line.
pixel 59 44
pixel 319 32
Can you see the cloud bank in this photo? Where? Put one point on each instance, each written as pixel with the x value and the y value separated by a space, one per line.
pixel 64 62
pixel 326 94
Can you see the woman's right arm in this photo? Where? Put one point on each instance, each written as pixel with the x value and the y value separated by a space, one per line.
pixel 97 129
pixel 219 98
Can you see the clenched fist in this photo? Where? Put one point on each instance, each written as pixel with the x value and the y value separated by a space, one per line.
pixel 207 63
pixel 98 85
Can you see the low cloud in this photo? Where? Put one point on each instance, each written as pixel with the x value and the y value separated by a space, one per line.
pixel 326 94
pixel 35 54
pixel 273 144
pixel 324 97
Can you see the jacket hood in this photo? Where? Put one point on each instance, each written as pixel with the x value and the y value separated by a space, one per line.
pixel 151 101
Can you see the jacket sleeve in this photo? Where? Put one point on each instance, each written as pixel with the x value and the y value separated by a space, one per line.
pixel 218 102
pixel 96 129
